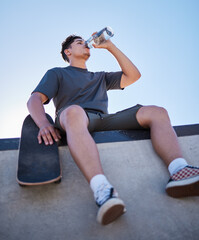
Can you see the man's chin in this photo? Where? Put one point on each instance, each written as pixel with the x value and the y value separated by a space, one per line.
pixel 87 55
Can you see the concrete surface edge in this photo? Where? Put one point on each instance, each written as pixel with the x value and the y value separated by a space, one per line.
pixel 111 136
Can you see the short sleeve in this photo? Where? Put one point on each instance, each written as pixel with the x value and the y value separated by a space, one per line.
pixel 48 85
pixel 113 80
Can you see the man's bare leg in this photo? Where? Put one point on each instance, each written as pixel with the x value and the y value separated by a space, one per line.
pixel 82 146
pixel 163 136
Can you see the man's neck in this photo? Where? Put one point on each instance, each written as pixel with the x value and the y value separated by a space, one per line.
pixel 79 64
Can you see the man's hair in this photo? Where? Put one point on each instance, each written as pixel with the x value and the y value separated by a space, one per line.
pixel 66 44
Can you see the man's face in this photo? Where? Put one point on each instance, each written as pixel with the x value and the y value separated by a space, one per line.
pixel 79 49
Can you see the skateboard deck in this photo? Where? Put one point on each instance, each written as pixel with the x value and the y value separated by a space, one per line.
pixel 37 163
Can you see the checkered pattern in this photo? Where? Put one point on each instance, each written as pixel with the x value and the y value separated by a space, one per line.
pixel 187 172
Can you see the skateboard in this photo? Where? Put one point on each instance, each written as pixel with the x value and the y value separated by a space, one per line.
pixel 37 163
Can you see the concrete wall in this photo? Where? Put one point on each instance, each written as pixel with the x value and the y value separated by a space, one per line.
pixel 68 211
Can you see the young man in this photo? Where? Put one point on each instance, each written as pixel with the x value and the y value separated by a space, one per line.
pixel 81 102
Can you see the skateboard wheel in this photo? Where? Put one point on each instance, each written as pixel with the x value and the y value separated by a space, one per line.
pixel 58 181
pixel 21 185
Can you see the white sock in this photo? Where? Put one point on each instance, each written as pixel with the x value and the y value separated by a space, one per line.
pixel 176 165
pixel 100 187
pixel 97 181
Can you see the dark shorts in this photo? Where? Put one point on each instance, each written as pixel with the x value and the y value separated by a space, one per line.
pixel 122 120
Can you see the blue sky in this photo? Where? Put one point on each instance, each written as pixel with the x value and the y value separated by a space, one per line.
pixel 161 37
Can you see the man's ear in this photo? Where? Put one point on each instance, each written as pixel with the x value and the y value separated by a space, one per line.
pixel 67 52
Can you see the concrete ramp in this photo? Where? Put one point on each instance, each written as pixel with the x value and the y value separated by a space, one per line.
pixel 68 211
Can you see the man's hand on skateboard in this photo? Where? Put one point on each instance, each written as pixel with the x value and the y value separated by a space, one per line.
pixel 49 134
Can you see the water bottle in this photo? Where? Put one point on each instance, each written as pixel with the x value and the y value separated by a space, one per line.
pixel 100 37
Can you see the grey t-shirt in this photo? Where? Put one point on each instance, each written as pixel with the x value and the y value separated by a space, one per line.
pixel 72 85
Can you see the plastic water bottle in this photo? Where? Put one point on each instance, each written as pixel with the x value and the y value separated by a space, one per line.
pixel 100 37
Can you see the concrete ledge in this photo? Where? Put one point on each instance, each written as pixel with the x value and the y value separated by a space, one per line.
pixel 68 211
pixel 111 136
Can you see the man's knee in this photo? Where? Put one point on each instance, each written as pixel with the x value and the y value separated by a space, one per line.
pixel 73 112
pixel 150 114
pixel 159 113
pixel 73 116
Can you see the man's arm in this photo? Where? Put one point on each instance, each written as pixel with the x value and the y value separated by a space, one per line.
pixel 130 73
pixel 35 106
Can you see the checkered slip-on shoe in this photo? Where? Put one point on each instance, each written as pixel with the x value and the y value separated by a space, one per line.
pixel 111 209
pixel 184 183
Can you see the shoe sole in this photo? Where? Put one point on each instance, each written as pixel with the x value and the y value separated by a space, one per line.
pixel 110 210
pixel 183 188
